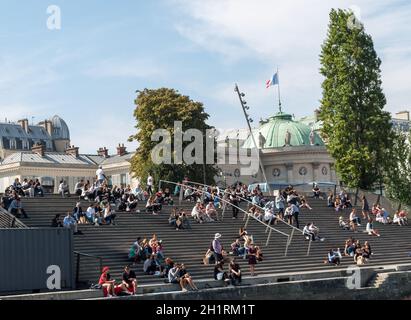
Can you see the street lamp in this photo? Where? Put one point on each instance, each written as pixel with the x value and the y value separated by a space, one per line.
pixel 245 107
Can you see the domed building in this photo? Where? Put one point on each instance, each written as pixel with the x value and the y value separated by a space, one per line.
pixel 290 151
pixel 60 134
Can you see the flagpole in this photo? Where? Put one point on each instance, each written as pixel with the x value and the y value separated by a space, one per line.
pixel 279 93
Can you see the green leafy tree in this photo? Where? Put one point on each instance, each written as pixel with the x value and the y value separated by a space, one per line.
pixel 398 173
pixel 159 109
pixel 355 126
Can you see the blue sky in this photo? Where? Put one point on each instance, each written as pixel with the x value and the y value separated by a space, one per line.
pixel 88 71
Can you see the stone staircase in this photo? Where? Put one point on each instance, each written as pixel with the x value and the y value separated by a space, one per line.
pixel 188 246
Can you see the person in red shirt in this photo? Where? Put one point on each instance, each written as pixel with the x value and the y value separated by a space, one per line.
pixel 106 283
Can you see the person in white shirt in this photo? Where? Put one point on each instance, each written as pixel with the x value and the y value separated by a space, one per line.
pixel 211 211
pixel 78 188
pixel 63 188
pixel 138 192
pixel 100 175
pixel 269 215
pixel 197 213
pixel 370 229
pixel 312 232
pixel 150 182
pixel 90 214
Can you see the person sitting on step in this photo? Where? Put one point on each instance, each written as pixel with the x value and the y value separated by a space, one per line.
pixel 349 249
pixel 304 203
pixel 78 188
pixel 152 206
pixel 220 274
pixel 370 229
pixel 130 280
pixel 106 283
pixel 383 217
pixel 16 208
pixel 354 218
pixel 366 250
pixel 235 272
pixel 197 213
pixel 56 223
pixel 131 203
pixel 168 265
pixel 312 232
pixel 78 214
pixel 109 215
pixel 71 223
pixel 342 224
pixel 63 189
pixel 151 265
pixel 186 279
pixel 211 211
pixel 334 257
pixel 400 218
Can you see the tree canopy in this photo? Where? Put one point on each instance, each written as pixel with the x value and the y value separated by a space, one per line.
pixel 398 172
pixel 159 109
pixel 355 126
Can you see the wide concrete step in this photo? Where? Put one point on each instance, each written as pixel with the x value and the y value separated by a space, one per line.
pixel 188 246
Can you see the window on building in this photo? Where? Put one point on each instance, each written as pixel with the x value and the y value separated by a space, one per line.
pixel 123 179
pixel 25 144
pixel 13 143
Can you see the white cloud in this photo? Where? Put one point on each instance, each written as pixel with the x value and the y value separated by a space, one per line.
pixel 289 34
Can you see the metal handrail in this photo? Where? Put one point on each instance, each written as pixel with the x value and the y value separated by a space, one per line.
pixel 79 254
pixel 249 202
pixel 245 212
pixel 14 221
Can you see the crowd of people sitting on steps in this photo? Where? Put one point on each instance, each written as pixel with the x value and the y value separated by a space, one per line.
pixel 11 200
pixel 151 254
pixel 208 203
pixel 242 247
pixel 352 248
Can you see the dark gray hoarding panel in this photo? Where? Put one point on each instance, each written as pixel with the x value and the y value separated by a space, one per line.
pixel 25 255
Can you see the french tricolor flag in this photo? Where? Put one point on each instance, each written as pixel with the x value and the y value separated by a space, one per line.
pixel 273 81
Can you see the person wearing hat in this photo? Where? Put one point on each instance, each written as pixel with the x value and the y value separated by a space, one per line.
pixel 106 283
pixel 217 248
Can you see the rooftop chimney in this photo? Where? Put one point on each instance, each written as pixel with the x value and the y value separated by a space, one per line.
pixel 24 124
pixel 121 150
pixel 39 149
pixel 72 150
pixel 103 152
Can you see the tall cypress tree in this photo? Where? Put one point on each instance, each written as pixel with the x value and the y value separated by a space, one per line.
pixel 398 172
pixel 355 126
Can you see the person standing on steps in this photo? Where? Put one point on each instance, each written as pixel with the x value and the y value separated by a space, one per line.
pixel 150 181
pixel 100 176
pixel 217 248
pixel 365 208
pixel 234 204
pixel 252 259
pixel 294 211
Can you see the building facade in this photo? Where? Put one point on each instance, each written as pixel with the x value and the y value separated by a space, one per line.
pixel 289 151
pixel 43 152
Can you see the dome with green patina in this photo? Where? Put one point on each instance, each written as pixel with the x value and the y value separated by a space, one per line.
pixel 281 128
